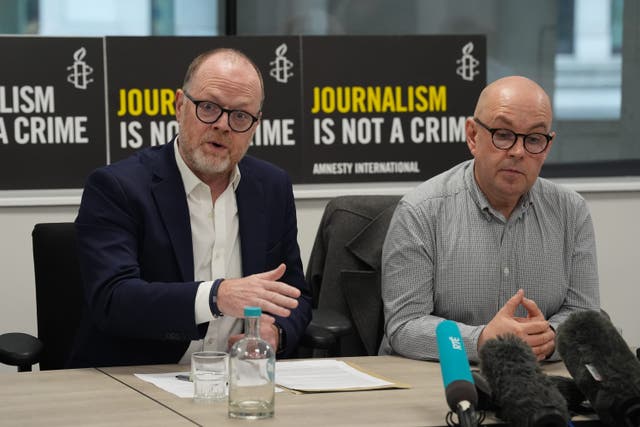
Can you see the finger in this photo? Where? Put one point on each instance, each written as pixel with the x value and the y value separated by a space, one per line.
pixel 529 319
pixel 267 320
pixel 536 340
pixel 543 351
pixel 274 309
pixel 532 327
pixel 276 304
pixel 274 274
pixel 532 308
pixel 281 288
pixel 510 306
pixel 280 300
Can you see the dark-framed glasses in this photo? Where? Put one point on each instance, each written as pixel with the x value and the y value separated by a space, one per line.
pixel 504 139
pixel 209 112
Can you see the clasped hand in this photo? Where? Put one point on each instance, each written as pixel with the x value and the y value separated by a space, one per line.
pixel 533 329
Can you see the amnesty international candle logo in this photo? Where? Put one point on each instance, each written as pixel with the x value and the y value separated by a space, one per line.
pixel 468 68
pixel 281 66
pixel 80 70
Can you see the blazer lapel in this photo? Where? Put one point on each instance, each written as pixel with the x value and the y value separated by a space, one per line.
pixel 168 192
pixel 253 223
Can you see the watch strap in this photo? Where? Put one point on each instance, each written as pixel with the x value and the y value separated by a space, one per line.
pixel 213 298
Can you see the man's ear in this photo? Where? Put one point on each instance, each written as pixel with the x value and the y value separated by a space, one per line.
pixel 178 102
pixel 471 131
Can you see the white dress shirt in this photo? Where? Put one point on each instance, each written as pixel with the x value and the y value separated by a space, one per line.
pixel 215 237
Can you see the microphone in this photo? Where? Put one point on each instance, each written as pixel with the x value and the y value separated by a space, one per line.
pixel 525 396
pixel 603 367
pixel 460 391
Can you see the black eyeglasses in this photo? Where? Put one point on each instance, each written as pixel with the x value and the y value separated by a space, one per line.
pixel 504 139
pixel 209 112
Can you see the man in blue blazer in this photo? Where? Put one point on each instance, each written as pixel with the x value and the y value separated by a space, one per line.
pixel 177 239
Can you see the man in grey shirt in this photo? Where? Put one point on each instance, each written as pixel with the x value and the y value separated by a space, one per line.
pixel 487 243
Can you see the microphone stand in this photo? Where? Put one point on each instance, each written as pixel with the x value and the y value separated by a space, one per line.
pixel 466 414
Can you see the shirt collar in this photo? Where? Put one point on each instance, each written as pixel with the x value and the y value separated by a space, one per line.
pixel 474 191
pixel 191 181
pixel 480 199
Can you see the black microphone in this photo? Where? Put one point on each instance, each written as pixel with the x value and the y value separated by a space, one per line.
pixel 460 390
pixel 603 367
pixel 525 396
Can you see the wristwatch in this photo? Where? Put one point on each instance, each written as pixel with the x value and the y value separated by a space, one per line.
pixel 281 339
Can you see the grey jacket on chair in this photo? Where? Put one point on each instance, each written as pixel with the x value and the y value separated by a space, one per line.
pixel 344 267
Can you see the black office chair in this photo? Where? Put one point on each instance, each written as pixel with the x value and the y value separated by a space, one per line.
pixel 344 275
pixel 59 301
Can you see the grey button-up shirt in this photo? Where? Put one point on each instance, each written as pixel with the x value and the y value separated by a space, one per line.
pixel 449 255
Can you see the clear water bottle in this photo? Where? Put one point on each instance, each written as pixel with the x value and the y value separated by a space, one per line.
pixel 252 365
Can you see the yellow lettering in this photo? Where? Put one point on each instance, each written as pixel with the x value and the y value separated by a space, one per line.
pixel 167 99
pixel 328 100
pixel 151 104
pixel 343 99
pixel 134 102
pixel 387 100
pixel 315 109
pixel 123 103
pixel 421 102
pixel 373 98
pixel 358 98
pixel 400 108
pixel 438 99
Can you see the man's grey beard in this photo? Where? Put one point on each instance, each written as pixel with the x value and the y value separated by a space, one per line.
pixel 207 168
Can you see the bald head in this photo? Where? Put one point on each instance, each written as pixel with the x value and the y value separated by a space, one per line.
pixel 514 93
pixel 229 56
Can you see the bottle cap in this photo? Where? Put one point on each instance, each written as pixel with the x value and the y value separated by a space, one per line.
pixel 252 311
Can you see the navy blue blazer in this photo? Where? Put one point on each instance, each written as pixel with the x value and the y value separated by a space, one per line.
pixel 136 257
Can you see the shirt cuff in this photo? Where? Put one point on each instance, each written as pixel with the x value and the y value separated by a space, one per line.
pixel 202 309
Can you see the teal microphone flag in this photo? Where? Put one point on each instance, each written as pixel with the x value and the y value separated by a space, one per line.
pixel 456 372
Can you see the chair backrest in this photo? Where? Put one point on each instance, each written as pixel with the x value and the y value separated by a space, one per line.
pixel 59 291
pixel 344 266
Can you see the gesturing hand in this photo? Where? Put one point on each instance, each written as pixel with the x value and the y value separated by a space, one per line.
pixel 260 290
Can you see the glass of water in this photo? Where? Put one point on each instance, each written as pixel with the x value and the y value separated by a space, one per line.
pixel 210 374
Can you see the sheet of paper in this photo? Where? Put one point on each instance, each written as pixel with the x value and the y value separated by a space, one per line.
pixel 170 382
pixel 326 375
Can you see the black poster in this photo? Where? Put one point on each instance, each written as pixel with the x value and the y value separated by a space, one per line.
pixel 52 112
pixel 388 108
pixel 144 73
